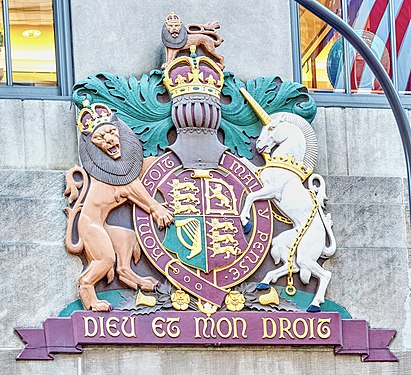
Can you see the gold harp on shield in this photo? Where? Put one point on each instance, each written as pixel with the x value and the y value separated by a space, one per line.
pixel 191 227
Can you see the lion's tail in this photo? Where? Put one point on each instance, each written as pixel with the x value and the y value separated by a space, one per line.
pixel 319 190
pixel 136 252
pixel 76 197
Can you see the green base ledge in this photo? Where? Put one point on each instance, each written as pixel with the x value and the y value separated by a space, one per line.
pixel 300 299
pixel 303 300
pixel 115 297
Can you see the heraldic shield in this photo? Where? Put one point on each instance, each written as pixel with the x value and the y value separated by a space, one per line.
pixel 203 251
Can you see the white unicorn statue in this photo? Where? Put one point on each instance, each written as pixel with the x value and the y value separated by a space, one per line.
pixel 287 166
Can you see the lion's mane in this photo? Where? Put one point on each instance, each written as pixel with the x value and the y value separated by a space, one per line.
pixel 171 42
pixel 105 169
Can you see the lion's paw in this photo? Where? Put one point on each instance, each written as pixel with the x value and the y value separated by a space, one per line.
pixel 162 216
pixel 101 305
pixel 148 284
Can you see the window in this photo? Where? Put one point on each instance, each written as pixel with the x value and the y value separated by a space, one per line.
pixel 35 49
pixel 326 63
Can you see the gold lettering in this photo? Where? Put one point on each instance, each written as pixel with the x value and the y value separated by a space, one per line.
pixel 236 273
pixel 244 326
pixel 263 214
pixel 156 255
pixel 87 332
pixel 248 178
pixel 205 326
pixel 132 332
pixel 138 218
pixel 229 328
pixel 312 335
pixel 101 319
pixel 237 168
pixel 244 267
pixel 168 163
pixel 173 330
pixel 263 236
pixel 155 174
pixel 258 246
pixel 151 245
pixel 158 326
pixel 324 332
pixel 285 329
pixel 266 335
pixel 149 184
pixel 256 257
pixel 144 232
pixel 109 326
pixel 295 326
pixel 253 186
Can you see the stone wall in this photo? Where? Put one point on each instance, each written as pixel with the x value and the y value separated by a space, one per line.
pixel 360 155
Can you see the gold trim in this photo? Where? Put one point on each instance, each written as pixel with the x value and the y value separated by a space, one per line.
pixel 201 173
pixel 198 83
pixel 96 119
pixel 286 162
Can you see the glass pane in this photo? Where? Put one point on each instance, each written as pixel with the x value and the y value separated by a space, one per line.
pixel 2 49
pixel 371 20
pixel 321 51
pixel 403 44
pixel 32 42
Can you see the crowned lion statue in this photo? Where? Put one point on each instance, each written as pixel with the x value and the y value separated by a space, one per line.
pixel 177 38
pixel 112 159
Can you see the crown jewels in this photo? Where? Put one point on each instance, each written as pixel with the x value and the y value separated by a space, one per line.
pixel 92 115
pixel 193 75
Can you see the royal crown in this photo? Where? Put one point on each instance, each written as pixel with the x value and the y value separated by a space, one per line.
pixel 92 115
pixel 173 19
pixel 192 74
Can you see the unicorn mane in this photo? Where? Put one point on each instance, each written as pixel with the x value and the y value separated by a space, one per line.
pixel 311 150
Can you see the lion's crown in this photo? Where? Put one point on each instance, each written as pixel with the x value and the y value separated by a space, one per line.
pixel 92 115
pixel 173 18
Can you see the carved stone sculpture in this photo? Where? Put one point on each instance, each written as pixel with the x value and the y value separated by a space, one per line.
pixel 112 159
pixel 288 166
pixel 177 38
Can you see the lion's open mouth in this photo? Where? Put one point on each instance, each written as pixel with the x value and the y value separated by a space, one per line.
pixel 261 149
pixel 114 152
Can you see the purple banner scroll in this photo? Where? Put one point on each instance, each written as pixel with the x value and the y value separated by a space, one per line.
pixel 69 335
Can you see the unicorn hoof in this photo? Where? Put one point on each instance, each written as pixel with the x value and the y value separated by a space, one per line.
pixel 313 309
pixel 262 286
pixel 247 228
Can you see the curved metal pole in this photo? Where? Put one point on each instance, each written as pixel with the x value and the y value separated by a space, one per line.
pixel 376 67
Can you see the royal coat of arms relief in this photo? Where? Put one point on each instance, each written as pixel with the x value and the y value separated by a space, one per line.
pixel 197 212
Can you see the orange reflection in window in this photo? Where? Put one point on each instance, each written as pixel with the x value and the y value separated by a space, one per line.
pixel 32 43
pixel 317 39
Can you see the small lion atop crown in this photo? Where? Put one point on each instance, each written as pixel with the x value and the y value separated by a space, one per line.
pixel 177 38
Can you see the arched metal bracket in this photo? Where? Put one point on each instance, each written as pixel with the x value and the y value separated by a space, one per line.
pixel 376 67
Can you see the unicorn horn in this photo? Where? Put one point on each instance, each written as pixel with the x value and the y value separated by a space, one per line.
pixel 259 111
